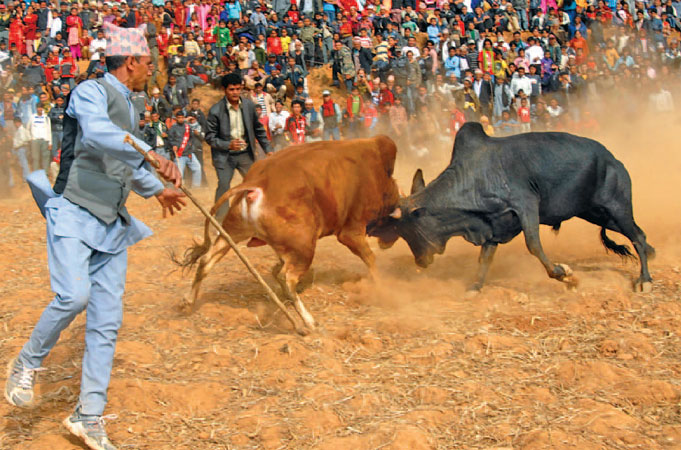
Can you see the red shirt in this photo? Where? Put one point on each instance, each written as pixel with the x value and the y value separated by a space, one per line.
pixel 274 45
pixel 457 119
pixel 524 114
pixel 294 15
pixel 162 42
pixel 296 126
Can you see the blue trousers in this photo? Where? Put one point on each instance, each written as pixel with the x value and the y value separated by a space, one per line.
pixel 194 167
pixel 331 132
pixel 82 279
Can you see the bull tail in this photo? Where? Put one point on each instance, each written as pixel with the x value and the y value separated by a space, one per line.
pixel 226 196
pixel 196 251
pixel 618 249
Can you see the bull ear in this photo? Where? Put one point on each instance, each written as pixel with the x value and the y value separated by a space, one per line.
pixel 417 183
pixel 397 214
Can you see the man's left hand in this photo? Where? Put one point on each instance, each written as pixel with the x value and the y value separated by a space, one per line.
pixel 168 170
pixel 171 200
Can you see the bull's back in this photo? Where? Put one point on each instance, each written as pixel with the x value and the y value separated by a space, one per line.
pixel 567 172
pixel 335 181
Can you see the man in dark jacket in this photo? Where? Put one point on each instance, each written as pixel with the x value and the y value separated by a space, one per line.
pixel 175 94
pixel 232 131
pixel 483 89
pixel 56 116
pixel 159 104
pixel 34 74
pixel 43 14
pixel 361 56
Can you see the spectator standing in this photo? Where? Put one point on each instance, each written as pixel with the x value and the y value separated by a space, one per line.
pixel 158 104
pixel 331 116
pixel 181 142
pixel 41 139
pixel 56 116
pixel 345 66
pixel 233 129
pixel 313 122
pixel 21 144
pixel 296 124
pixel 277 124
pixel 156 135
pixel 175 94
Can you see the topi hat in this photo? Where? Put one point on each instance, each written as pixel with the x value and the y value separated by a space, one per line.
pixel 125 41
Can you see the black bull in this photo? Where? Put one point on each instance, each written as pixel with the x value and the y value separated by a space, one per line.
pixel 494 188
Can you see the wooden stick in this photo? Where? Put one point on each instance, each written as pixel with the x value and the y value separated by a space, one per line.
pixel 271 294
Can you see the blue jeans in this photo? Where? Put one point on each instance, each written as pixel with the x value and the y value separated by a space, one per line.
pixel 194 80
pixel 82 279
pixel 194 167
pixel 328 132
pixel 522 18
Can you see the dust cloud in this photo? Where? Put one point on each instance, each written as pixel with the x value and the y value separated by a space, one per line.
pixel 645 143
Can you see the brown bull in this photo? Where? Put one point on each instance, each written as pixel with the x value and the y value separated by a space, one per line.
pixel 298 195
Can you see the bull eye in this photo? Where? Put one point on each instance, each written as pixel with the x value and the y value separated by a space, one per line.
pixel 418 212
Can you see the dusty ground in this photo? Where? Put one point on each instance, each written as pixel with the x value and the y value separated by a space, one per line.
pixel 403 363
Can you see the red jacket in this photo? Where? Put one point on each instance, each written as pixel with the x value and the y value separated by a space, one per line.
pixel 385 100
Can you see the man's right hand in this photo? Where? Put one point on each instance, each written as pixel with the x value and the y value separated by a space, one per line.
pixel 167 169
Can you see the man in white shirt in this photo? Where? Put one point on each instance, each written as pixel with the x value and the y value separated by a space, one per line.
pixel 277 122
pixel 411 47
pixel 534 52
pixel 40 129
pixel 521 82
pixel 97 45
pixel 55 25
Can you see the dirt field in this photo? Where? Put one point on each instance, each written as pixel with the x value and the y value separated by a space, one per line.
pixel 403 363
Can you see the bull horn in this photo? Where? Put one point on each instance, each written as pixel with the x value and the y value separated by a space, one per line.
pixel 397 214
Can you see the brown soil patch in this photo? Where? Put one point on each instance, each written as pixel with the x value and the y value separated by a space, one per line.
pixel 405 362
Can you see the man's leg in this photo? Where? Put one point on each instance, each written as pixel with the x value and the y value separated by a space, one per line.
pixel 45 155
pixel 195 169
pixel 243 163
pixel 23 162
pixel 224 171
pixel 181 165
pixel 34 155
pixel 68 260
pixel 104 317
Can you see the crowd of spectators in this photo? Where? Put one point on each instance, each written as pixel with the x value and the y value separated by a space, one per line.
pixel 513 65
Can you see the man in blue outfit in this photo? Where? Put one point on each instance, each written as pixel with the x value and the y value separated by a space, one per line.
pixel 89 230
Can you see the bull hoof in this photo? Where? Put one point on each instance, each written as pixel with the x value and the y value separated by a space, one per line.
pixel 187 304
pixel 472 291
pixel 644 287
pixel 302 331
pixel 306 281
pixel 566 269
pixel 566 275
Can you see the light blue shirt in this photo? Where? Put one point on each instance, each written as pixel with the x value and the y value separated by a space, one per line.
pixel 88 105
